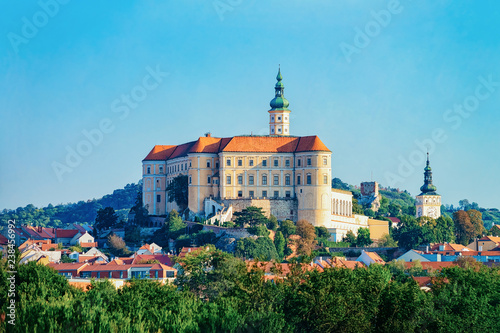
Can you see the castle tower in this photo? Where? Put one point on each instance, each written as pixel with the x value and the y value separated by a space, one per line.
pixel 279 115
pixel 428 202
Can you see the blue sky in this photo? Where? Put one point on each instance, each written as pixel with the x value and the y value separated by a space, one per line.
pixel 379 82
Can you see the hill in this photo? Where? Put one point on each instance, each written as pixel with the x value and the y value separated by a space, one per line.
pixel 81 212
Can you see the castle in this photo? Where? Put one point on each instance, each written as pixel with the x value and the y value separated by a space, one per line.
pixel 288 176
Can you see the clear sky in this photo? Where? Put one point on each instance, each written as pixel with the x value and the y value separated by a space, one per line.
pixel 88 88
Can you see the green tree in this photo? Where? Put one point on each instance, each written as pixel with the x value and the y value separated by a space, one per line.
pixel 476 218
pixel 261 248
pixel 322 233
pixel 251 216
pixel 369 212
pixel 350 238
pixel 177 191
pixel 273 223
pixel 288 228
pixel 280 243
pixel 260 230
pixel 106 219
pixel 387 241
pixel 356 207
pixel 363 238
pixel 444 230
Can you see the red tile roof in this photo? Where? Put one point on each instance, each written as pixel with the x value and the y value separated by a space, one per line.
pixel 3 240
pixel 68 266
pixel 163 259
pixel 264 144
pixel 66 233
pixel 91 244
pixel 108 267
pixel 449 247
pixel 375 257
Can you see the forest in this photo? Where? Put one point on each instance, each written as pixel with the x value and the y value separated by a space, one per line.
pixel 215 292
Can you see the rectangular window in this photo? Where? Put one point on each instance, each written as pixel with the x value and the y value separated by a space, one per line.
pixel 287 180
pixel 264 194
pixel 325 161
pixel 264 180
pixel 299 162
pixel 276 180
pixel 298 180
pixel 287 194
pixel 250 162
pixel 158 198
pixel 161 169
pixel 308 161
pixel 209 180
pixel 276 194
pixel 264 163
pixel 240 194
pixel 240 162
pixel 98 275
pixel 149 170
pixel 325 179
pixel 121 274
pixel 250 193
pixel 250 180
pixel 287 163
pixel 217 165
pixel 240 180
pixel 228 180
pixel 156 274
pixel 186 166
pixel 276 162
pixel 208 163
pixel 228 162
pixel 308 179
pixel 110 276
pixel 189 179
pixel 279 118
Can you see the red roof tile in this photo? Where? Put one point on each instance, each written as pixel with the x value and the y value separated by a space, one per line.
pixel 163 259
pixel 68 266
pixel 263 144
pixel 66 233
pixel 3 240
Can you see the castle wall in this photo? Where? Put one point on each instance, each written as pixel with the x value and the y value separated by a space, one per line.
pixel 281 208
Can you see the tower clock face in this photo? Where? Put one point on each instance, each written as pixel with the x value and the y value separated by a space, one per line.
pixel 431 212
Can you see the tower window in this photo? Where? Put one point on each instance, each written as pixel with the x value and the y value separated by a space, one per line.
pixel 287 163
pixel 276 162
pixel 149 170
pixel 209 180
pixel 272 130
pixel 158 198
pixel 208 163
pixel 228 162
pixel 299 162
pixel 272 118
pixel 286 130
pixel 325 179
pixel 325 161
pixel 189 180
pixel 286 118
pixel 279 118
pixel 216 165
pixel 161 169
pixel 279 130
pixel 308 161
pixel 308 179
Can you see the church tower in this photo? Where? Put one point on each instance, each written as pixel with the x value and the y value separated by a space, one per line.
pixel 279 115
pixel 428 202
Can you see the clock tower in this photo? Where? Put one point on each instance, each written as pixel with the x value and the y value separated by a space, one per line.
pixel 428 201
